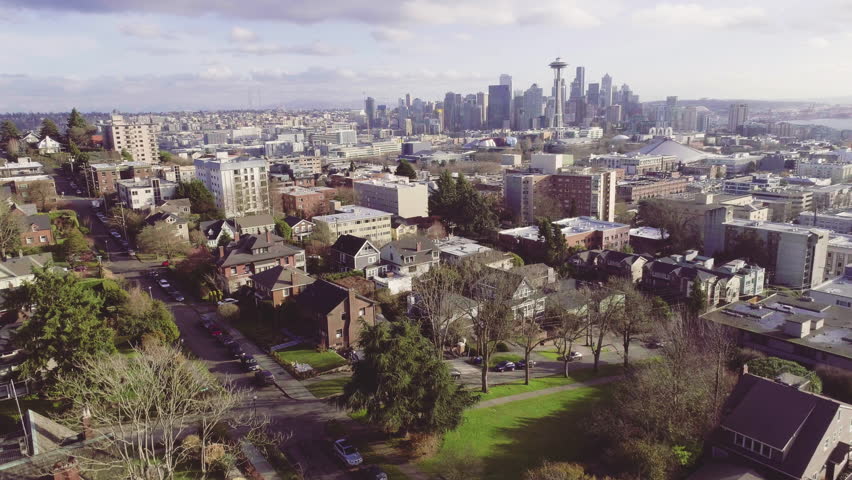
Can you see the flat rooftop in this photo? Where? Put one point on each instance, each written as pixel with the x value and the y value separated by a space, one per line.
pixel 460 246
pixel 839 240
pixel 841 286
pixel 768 317
pixel 648 232
pixel 570 226
pixel 351 212
pixel 776 227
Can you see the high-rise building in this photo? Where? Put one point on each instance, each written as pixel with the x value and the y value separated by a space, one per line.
pixel 506 80
pixel 558 93
pixel 499 106
pixel 588 192
pixel 398 196
pixel 532 108
pixel 578 86
pixel 370 111
pixel 482 99
pixel 690 119
pixel 737 116
pixel 407 100
pixel 606 90
pixel 613 114
pixel 593 95
pixel 240 186
pixel 138 139
pixel 452 111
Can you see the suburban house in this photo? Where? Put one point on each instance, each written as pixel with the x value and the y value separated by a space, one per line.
pixel 279 283
pixel 539 275
pixel 781 431
pixel 248 255
pixel 47 146
pixel 213 230
pixel 527 301
pixel 333 314
pixel 400 228
pixel 355 253
pixel 604 263
pixel 14 271
pixel 300 228
pixel 410 256
pixel 179 223
pixel 35 230
pixel 178 206
pixel 255 224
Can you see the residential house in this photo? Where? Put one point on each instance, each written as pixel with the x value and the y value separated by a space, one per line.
pixel 411 256
pixel 300 228
pixel 214 230
pixel 539 275
pixel 180 224
pixel 248 255
pixel 47 146
pixel 35 230
pixel 527 301
pixel 14 271
pixel 279 283
pixel 400 228
pixel 333 314
pixel 355 253
pixel 23 166
pixel 179 206
pixel 255 224
pixel 670 279
pixel 603 263
pixel 782 431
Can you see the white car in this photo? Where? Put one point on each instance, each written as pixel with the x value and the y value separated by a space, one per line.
pixel 164 283
pixel 115 234
pixel 228 300
pixel 575 356
pixel 347 453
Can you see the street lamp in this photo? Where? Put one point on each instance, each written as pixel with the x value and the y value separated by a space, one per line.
pixel 254 406
pixel 149 292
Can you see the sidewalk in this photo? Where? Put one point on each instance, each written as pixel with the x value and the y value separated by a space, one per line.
pixel 260 464
pixel 546 391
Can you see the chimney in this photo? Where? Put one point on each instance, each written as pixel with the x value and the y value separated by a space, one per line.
pixel 88 432
pixel 744 370
pixel 236 236
pixel 268 236
pixel 221 251
pixel 66 470
pixel 419 245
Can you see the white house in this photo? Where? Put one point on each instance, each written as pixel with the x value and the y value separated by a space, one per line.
pixel 48 145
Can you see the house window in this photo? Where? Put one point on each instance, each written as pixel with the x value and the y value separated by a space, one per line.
pixel 286 292
pixel 361 312
pixel 42 239
pixel 233 270
pixel 29 240
pixel 338 333
pixel 372 259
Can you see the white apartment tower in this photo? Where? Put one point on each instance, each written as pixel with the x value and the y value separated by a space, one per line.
pixel 140 139
pixel 240 185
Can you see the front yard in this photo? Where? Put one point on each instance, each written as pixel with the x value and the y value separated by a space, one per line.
pixel 320 361
pixel 326 388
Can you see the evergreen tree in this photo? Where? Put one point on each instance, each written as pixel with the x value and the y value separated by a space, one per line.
pixel 126 156
pixel 443 201
pixel 402 384
pixel 49 129
pixel 201 201
pixel 8 131
pixel 283 229
pixel 404 169
pixel 75 246
pixel 696 303
pixel 75 120
pixel 65 326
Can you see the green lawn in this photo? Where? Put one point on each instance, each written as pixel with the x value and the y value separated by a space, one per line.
pixel 320 361
pixel 540 383
pixel 550 355
pixel 510 438
pixel 327 388
pixel 260 333
pixel 499 357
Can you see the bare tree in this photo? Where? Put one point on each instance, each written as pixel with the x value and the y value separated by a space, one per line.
pixel 141 407
pixel 567 326
pixel 635 320
pixel 162 239
pixel 42 193
pixel 530 332
pixel 605 307
pixel 437 303
pixel 10 230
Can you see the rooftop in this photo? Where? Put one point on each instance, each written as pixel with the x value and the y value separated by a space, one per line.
pixel 570 226
pixel 351 212
pixel 460 246
pixel 776 227
pixel 648 232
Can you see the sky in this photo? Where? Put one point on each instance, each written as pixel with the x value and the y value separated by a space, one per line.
pixel 161 55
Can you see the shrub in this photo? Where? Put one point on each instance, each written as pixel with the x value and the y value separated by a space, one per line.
pixel 557 471
pixel 213 453
pixel 743 356
pixel 192 444
pixel 501 347
pixel 229 312
pixel 771 367
pixel 836 382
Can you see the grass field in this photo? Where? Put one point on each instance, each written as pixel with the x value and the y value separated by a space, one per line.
pixel 506 440
pixel 540 383
pixel 320 361
pixel 326 388
pixel 499 357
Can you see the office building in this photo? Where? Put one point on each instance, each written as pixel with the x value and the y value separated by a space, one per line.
pixel 499 106
pixel 139 139
pixel 370 112
pixel 606 91
pixel 240 185
pixel 737 116
pixel 839 221
pixel 145 193
pixel 837 172
pixel 532 108
pixel 374 225
pixel 396 195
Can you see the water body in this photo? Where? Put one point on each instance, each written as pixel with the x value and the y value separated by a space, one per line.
pixel 836 123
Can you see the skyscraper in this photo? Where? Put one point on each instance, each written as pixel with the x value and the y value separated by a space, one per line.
pixel 606 90
pixel 579 84
pixel 593 96
pixel 737 116
pixel 452 111
pixel 482 99
pixel 532 108
pixel 499 105
pixel 407 100
pixel 506 79
pixel 558 92
pixel 370 111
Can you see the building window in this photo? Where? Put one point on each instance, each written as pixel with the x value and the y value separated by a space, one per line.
pixel 29 240
pixel 233 270
pixel 338 333
pixel 42 239
pixel 362 312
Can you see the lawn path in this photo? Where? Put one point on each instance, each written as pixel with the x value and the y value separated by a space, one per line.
pixel 546 391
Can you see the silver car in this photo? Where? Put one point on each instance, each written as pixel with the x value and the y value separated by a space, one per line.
pixel 347 453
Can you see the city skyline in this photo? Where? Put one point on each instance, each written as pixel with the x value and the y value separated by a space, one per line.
pixel 156 55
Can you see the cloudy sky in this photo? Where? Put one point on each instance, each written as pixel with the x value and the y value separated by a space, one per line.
pixel 137 55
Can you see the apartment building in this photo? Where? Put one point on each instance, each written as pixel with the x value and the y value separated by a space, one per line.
pixel 587 232
pixel 839 221
pixel 145 193
pixel 240 185
pixel 837 172
pixel 374 149
pixel 176 173
pixel 374 225
pixel 788 202
pixel 838 255
pixel 636 164
pixel 635 190
pixel 140 139
pixel 396 195
pixel 307 202
pixel 583 191
pixel 102 178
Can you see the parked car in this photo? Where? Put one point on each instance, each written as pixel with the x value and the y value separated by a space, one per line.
pixel 115 234
pixel 205 323
pixel 476 360
pixel 574 356
pixel 132 253
pixel 228 300
pixel 214 330
pixel 164 283
pixel 504 366
pixel 656 344
pixel 455 374
pixel 264 377
pixel 249 363
pixel 177 296
pixel 347 453
pixel 226 340
pixel 79 192
pixel 165 263
pixel 372 472
pixel 521 364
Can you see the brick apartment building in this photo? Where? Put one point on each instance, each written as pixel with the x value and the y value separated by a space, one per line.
pixel 307 202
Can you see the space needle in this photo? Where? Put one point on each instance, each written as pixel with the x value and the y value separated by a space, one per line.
pixel 557 66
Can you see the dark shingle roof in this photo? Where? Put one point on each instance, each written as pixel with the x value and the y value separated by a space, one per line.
pixel 255 221
pixel 323 296
pixel 42 222
pixel 349 244
pixel 294 220
pixel 212 228
pixel 279 277
pixel 408 246
pixel 241 253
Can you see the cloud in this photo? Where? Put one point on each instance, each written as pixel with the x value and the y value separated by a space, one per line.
pixel 464 37
pixel 158 51
pixel 144 30
pixel 319 49
pixel 217 72
pixel 818 42
pixel 371 12
pixel 391 35
pixel 240 34
pixel 695 15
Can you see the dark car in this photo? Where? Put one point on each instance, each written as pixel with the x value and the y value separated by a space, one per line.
pixel 504 366
pixel 249 363
pixel 521 364
pixel 236 350
pixel 226 340
pixel 476 360
pixel 264 377
pixel 205 323
pixel 372 472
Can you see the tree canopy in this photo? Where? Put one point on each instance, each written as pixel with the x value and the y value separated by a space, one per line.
pixel 49 129
pixel 201 201
pixel 162 239
pixel 8 131
pixel 65 325
pixel 283 229
pixel 459 205
pixel 402 384
pixel 405 169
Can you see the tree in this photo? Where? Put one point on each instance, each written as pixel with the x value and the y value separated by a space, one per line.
pixel 404 169
pixel 162 239
pixel 41 193
pixel 228 312
pixel 76 120
pixel 10 230
pixel 772 367
pixel 529 333
pixel 225 239
pixel 164 156
pixel 49 129
pixel 77 129
pixel 555 248
pixel 402 384
pixel 8 131
pixel 676 222
pixel 444 200
pixel 201 200
pixel 566 326
pixel 605 308
pixel 635 320
pixel 126 156
pixel 139 314
pixel 696 303
pixel 321 234
pixel 282 228
pixel 75 247
pixel 351 165
pixel 437 306
pixel 143 405
pixel 64 326
pixel 127 220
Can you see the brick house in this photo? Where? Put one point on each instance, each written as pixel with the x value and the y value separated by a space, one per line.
pixel 248 255
pixel 333 314
pixel 307 202
pixel 35 231
pixel 279 283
